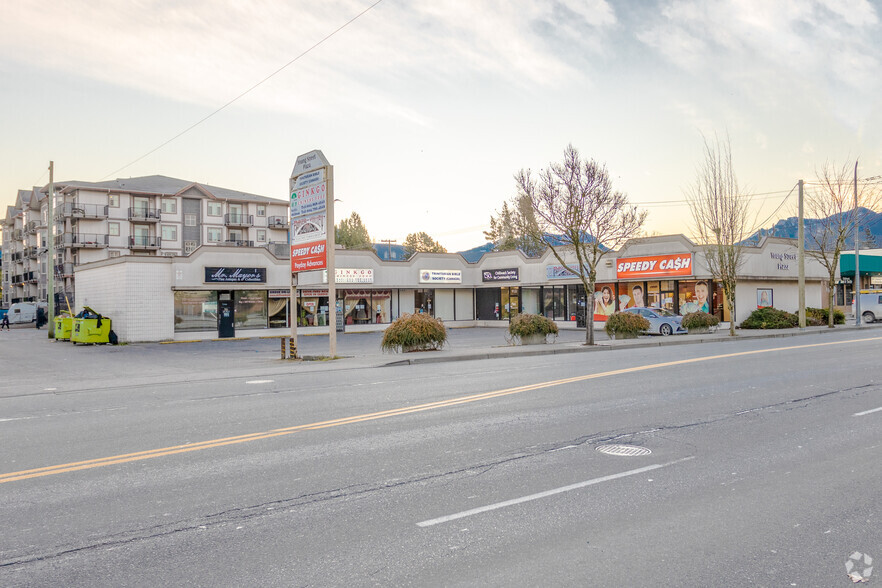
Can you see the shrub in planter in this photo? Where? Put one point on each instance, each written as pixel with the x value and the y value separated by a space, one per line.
pixel 699 322
pixel 625 325
pixel 527 328
pixel 414 332
pixel 820 316
pixel 770 318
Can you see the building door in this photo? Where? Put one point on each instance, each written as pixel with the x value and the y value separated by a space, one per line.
pixel 141 237
pixel 510 303
pixel 226 316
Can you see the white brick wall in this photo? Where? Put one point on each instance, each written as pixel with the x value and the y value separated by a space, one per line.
pixel 136 296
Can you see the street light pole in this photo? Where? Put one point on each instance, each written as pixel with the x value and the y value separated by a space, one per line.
pixel 857 254
pixel 50 257
pixel 801 260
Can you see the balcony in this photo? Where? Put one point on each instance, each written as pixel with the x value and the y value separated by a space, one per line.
pixel 81 241
pixel 140 214
pixel 64 270
pixel 236 243
pixel 32 252
pixel 32 277
pixel 277 222
pixel 239 220
pixel 74 210
pixel 144 242
pixel 31 227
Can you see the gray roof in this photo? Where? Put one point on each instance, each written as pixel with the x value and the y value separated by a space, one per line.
pixel 166 186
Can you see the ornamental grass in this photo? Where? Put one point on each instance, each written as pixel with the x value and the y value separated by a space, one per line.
pixel 414 332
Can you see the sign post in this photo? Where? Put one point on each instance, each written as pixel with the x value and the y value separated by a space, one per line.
pixel 311 187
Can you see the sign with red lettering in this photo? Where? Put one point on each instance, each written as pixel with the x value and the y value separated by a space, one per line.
pixel 654 266
pixel 308 256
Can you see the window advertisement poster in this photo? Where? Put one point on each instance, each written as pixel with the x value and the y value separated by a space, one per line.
pixel 764 298
pixel 500 275
pixel 631 268
pixel 440 277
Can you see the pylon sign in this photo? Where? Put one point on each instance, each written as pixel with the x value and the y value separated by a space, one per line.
pixel 311 187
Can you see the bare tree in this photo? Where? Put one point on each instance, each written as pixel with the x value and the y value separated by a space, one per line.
pixel 576 210
pixel 719 215
pixel 831 205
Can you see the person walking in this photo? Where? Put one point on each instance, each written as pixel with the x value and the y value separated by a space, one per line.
pixel 5 322
pixel 41 317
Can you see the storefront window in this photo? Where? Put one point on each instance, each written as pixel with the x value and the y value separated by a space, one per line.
pixel 694 297
pixel 487 300
pixel 604 301
pixel 667 294
pixel 312 308
pixel 250 309
pixel 381 304
pixel 631 295
pixel 510 302
pixel 530 300
pixel 278 312
pixel 195 311
pixel 357 307
pixel 554 302
pixel 424 301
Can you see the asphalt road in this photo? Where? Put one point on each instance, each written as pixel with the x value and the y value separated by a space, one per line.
pixel 763 471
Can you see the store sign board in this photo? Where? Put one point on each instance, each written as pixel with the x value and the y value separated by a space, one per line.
pixel 308 179
pixel 308 256
pixel 309 201
pixel 875 280
pixel 309 162
pixel 440 277
pixel 654 266
pixel 279 293
pixel 235 275
pixel 351 276
pixel 501 275
pixel 308 228
pixel 558 272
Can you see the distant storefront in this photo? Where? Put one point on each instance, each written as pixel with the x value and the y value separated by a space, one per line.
pixel 153 299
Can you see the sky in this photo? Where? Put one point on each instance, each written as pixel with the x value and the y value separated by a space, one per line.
pixel 427 109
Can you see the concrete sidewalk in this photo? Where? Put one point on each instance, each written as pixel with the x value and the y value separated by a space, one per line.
pixel 31 363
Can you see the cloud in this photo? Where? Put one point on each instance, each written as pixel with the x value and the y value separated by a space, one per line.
pixel 823 49
pixel 208 52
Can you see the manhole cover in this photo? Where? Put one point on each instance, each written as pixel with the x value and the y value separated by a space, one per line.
pixel 624 450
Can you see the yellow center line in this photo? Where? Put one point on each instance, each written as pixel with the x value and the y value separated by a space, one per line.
pixel 235 440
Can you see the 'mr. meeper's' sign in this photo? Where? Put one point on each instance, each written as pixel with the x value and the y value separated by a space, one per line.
pixel 678 264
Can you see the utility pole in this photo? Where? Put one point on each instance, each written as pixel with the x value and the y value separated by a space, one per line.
pixel 857 254
pixel 801 261
pixel 50 257
pixel 388 243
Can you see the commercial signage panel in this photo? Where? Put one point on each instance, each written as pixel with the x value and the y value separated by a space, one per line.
pixel 308 179
pixel 501 275
pixel 308 256
pixel 308 228
pixel 279 293
pixel 351 276
pixel 654 266
pixel 235 275
pixel 558 272
pixel 309 200
pixel 440 277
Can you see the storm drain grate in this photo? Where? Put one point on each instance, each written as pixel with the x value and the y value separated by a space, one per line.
pixel 623 450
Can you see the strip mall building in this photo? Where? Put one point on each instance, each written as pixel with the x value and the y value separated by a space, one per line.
pixel 177 298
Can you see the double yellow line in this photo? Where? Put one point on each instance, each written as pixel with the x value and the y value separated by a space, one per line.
pixel 210 444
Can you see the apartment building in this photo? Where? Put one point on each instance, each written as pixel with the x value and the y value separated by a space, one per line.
pixel 143 216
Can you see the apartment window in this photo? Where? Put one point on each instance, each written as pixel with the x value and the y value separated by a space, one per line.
pixel 261 236
pixel 189 247
pixel 169 233
pixel 190 219
pixel 214 209
pixel 214 235
pixel 169 205
pixel 261 210
pixel 113 200
pixel 114 253
pixel 113 229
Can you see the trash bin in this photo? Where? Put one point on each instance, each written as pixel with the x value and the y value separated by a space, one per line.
pixel 63 327
pixel 90 327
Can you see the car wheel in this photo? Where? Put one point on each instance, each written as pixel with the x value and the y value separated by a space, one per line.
pixel 666 330
pixel 869 317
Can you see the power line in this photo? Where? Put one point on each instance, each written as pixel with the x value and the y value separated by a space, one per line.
pixel 774 212
pixel 243 94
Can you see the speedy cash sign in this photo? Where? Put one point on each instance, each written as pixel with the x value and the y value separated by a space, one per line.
pixel 308 256
pixel 654 266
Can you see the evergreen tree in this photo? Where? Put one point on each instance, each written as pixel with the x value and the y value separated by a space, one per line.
pixel 352 234
pixel 422 242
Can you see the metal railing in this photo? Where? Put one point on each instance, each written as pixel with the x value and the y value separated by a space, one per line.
pixel 88 240
pixel 236 243
pixel 64 270
pixel 238 220
pixel 144 242
pixel 76 210
pixel 277 222
pixel 141 214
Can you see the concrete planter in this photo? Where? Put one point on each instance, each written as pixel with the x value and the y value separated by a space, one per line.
pixel 534 339
pixel 624 335
pixel 699 330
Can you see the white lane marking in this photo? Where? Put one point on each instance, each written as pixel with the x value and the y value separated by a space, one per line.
pixel 259 381
pixel 867 411
pixel 489 507
pixel 49 389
